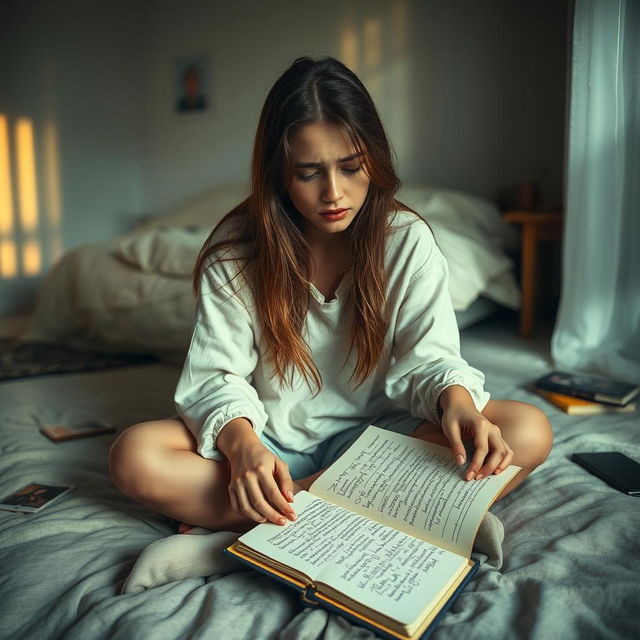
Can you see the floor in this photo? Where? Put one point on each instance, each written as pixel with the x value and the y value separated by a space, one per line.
pixel 516 363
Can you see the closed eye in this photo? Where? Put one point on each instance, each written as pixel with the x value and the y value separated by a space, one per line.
pixel 306 177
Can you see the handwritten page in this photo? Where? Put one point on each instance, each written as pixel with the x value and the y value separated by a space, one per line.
pixel 412 485
pixel 380 567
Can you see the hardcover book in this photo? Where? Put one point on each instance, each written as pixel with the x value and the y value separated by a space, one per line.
pixel 581 407
pixel 589 387
pixel 383 536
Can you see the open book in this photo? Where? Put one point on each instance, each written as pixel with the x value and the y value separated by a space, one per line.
pixel 383 536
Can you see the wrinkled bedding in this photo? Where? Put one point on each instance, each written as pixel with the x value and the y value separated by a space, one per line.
pixel 571 552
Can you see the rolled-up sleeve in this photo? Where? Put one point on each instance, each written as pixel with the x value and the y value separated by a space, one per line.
pixel 426 349
pixel 215 384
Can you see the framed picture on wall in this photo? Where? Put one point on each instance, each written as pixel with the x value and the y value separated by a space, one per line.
pixel 192 92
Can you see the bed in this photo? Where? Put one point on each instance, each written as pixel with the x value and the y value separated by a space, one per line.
pixel 134 293
pixel 570 559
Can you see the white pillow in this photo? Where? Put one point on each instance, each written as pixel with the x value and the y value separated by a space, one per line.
pixel 170 251
pixel 472 236
pixel 203 211
pixel 472 215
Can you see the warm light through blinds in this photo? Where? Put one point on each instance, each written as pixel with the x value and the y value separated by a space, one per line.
pixel 51 174
pixel 8 259
pixel 26 165
pixel 31 258
pixel 372 33
pixel 6 192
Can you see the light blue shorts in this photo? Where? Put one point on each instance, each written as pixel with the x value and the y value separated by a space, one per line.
pixel 304 464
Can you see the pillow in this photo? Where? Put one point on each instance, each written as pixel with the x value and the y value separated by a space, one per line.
pixel 203 211
pixel 168 251
pixel 90 298
pixel 472 237
pixel 472 215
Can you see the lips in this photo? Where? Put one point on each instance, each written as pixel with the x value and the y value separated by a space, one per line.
pixel 332 212
pixel 334 215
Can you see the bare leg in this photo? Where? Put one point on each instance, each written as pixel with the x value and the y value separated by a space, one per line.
pixel 156 464
pixel 524 427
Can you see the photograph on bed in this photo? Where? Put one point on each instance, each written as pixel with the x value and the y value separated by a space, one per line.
pixel 403 214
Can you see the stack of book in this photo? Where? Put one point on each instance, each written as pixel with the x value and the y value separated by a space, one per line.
pixel 581 394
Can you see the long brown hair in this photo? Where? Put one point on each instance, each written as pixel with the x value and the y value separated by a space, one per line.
pixel 278 263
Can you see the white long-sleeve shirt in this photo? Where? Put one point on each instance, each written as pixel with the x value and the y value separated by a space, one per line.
pixel 226 374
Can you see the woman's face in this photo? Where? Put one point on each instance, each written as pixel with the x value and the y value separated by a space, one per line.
pixel 329 183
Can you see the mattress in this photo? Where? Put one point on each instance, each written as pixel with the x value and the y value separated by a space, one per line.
pixel 571 556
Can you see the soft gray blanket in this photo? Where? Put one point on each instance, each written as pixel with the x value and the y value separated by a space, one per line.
pixel 571 556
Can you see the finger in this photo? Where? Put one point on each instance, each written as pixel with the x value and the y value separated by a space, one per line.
pixel 479 455
pixel 283 478
pixel 245 506
pixel 505 462
pixel 452 431
pixel 273 494
pixel 490 463
pixel 277 487
pixel 233 501
pixel 260 504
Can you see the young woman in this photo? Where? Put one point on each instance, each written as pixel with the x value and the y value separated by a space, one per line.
pixel 322 307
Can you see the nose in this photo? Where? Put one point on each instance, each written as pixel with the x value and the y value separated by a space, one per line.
pixel 332 191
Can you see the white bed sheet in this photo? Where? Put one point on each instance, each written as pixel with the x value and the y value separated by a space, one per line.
pixel 572 557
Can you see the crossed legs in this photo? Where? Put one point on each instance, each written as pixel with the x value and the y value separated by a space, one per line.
pixel 156 464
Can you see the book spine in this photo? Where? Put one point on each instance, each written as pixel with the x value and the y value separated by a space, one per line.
pixel 266 572
pixel 598 397
pixel 581 393
pixel 308 599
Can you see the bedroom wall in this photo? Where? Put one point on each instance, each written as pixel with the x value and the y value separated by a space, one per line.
pixel 70 123
pixel 472 93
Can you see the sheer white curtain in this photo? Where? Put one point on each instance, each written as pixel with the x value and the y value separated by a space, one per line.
pixel 598 326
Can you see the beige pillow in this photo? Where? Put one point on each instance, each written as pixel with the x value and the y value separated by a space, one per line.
pixel 204 210
pixel 170 251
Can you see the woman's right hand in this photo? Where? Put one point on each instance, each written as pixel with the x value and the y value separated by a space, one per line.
pixel 260 487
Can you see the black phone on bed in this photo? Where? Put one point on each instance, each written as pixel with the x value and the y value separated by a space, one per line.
pixel 616 469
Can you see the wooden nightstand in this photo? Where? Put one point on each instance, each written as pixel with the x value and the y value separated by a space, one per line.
pixel 537 227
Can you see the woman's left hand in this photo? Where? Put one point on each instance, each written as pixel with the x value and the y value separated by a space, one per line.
pixel 462 421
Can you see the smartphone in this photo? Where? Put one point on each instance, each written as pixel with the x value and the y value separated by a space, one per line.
pixel 614 468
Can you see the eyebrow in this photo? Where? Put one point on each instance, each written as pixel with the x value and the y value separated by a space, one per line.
pixel 312 165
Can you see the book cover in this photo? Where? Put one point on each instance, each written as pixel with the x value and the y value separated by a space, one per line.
pixel 33 497
pixel 310 598
pixel 589 387
pixel 383 536
pixel 60 433
pixel 580 407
